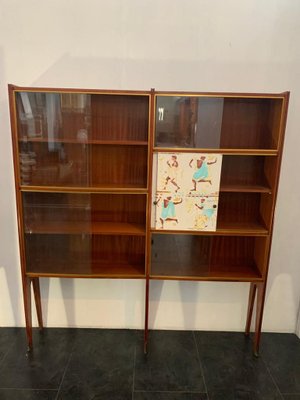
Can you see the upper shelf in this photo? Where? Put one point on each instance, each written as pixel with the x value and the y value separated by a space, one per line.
pixel 238 152
pixel 84 141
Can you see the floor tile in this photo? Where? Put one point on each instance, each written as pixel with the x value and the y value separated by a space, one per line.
pixel 228 394
pixel 21 394
pixel 104 348
pixel 171 364
pixel 7 338
pixel 230 369
pixel 281 352
pixel 101 366
pixel 43 367
pixel 97 384
pixel 169 396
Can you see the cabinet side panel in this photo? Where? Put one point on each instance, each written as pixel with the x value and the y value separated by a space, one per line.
pixel 261 254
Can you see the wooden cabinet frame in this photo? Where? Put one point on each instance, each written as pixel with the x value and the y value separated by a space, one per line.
pixel 114 202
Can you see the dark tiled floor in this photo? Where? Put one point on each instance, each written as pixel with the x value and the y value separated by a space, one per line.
pixel 87 364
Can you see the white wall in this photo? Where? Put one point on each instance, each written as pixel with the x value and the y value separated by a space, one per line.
pixel 199 45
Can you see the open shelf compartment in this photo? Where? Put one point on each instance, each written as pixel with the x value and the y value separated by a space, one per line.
pixel 109 256
pixel 245 174
pixel 194 257
pixel 243 213
pixel 98 214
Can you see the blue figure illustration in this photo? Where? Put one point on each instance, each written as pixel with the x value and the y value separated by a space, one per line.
pixel 206 213
pixel 201 174
pixel 168 210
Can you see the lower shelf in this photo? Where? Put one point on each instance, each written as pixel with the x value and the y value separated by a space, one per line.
pixel 85 256
pixel 90 270
pixel 239 273
pixel 220 258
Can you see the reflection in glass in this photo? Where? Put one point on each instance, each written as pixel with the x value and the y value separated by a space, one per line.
pixel 75 139
pixel 87 234
pixel 181 121
pixel 217 122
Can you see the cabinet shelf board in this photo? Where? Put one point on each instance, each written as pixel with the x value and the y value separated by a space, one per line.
pixel 107 188
pixel 85 227
pixel 247 188
pixel 240 273
pixel 95 270
pixel 89 141
pixel 224 229
pixel 242 152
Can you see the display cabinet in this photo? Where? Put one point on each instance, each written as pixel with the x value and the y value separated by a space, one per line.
pixel 248 131
pixel 81 172
pixel 86 187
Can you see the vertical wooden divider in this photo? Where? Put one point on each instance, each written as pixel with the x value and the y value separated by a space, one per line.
pixel 149 206
pixel 26 281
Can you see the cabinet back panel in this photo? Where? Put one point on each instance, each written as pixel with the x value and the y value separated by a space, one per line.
pixel 119 165
pixel 119 117
pixel 239 207
pixel 202 256
pixel 246 123
pixel 243 170
pixel 84 254
pixel 40 207
pixel 217 122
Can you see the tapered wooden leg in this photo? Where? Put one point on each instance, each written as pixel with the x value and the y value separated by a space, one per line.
pixel 146 316
pixel 252 293
pixel 37 298
pixel 259 316
pixel 27 308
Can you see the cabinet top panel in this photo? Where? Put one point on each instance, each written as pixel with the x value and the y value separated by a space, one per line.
pixel 282 95
pixel 77 90
pixel 148 92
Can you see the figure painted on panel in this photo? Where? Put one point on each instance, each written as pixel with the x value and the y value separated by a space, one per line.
pixel 202 173
pixel 202 220
pixel 172 172
pixel 168 209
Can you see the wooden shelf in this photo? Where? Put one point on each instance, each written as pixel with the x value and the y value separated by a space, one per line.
pixel 85 227
pixel 237 152
pixel 88 141
pixel 247 188
pixel 241 273
pixel 93 270
pixel 107 188
pixel 224 229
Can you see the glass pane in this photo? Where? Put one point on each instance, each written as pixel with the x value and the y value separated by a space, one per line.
pixel 204 256
pixel 102 234
pixel 74 139
pixel 217 122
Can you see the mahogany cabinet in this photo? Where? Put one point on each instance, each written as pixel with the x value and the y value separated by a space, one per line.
pixel 85 183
